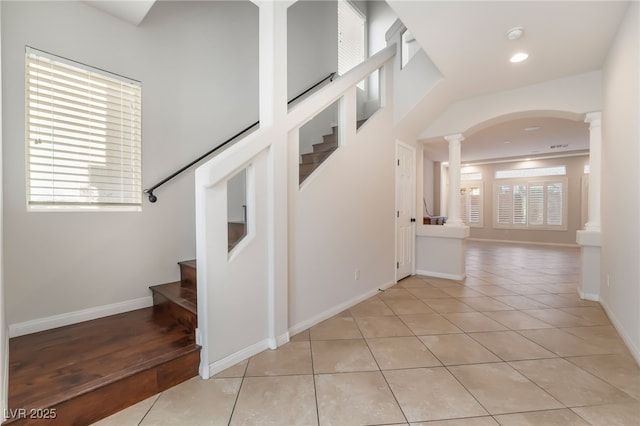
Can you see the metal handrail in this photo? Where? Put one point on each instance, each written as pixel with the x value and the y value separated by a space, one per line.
pixel 149 192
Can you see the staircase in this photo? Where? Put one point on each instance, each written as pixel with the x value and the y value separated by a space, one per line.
pixel 321 151
pixel 178 301
pixel 78 374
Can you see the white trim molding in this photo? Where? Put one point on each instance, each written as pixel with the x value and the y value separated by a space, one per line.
pixel 54 321
pixel 433 274
pixel 297 328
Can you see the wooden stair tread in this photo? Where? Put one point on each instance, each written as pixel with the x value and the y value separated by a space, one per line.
pixel 190 263
pixel 178 294
pixel 90 370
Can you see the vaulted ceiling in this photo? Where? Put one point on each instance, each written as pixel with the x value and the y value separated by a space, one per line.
pixel 467 41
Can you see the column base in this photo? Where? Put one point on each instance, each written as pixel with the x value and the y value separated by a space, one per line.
pixel 440 251
pixel 590 257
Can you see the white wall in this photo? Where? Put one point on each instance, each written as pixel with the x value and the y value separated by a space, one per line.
pixel 342 220
pixel 379 19
pixel 620 288
pixel 414 81
pixel 198 88
pixel 312 43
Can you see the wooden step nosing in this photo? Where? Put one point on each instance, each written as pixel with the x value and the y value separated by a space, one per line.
pixel 100 382
pixel 188 263
pixel 180 301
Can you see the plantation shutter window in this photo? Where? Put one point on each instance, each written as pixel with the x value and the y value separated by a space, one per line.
pixel 555 203
pixel 531 205
pixel 536 204
pixel 475 206
pixel 83 130
pixel 471 204
pixel 503 196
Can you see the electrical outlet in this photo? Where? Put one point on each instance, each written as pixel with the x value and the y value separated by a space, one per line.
pixel 356 275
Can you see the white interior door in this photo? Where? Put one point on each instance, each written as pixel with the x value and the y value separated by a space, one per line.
pixel 405 209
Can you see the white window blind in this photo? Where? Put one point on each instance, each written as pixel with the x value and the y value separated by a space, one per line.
pixel 83 136
pixel 531 204
pixel 471 203
pixel 351 37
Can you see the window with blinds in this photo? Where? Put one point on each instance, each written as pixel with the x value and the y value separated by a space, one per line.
pixel 83 130
pixel 471 203
pixel 351 38
pixel 531 204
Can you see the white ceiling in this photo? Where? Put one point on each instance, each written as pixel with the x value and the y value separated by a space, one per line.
pixel 132 11
pixel 545 136
pixel 466 41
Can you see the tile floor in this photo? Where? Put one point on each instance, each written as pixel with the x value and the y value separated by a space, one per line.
pixel 511 345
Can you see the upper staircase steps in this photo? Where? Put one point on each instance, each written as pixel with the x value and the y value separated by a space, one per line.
pixel 81 373
pixel 321 151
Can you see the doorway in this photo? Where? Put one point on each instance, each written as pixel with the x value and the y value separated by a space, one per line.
pixel 405 209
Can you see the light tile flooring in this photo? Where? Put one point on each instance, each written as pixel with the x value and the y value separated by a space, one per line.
pixel 511 345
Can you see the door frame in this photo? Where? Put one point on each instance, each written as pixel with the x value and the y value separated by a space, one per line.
pixel 412 190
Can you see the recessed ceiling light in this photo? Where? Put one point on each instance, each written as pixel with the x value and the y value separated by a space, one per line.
pixel 506 142
pixel 531 129
pixel 518 57
pixel 515 33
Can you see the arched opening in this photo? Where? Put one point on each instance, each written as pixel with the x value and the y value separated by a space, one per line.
pixel 523 177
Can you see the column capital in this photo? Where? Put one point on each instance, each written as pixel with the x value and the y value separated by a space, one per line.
pixel 593 118
pixel 458 137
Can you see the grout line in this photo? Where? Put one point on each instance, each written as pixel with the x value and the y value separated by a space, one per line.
pixel 235 403
pixel 380 369
pixel 150 408
pixel 313 376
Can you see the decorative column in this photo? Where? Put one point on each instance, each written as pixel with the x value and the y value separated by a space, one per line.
pixel 590 239
pixel 453 206
pixel 440 250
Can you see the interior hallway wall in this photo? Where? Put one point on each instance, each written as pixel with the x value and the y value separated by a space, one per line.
pixel 198 88
pixel 620 283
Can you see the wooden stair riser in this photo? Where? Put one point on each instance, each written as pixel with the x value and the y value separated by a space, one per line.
pixel 165 310
pixel 99 403
pixel 235 232
pixel 81 373
pixel 188 275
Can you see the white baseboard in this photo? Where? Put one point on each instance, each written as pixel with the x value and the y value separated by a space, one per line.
pixel 55 321
pixel 635 351
pixel 231 360
pixel 310 322
pixel 282 339
pixel 532 243
pixel 589 296
pixel 455 277
pixel 5 374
